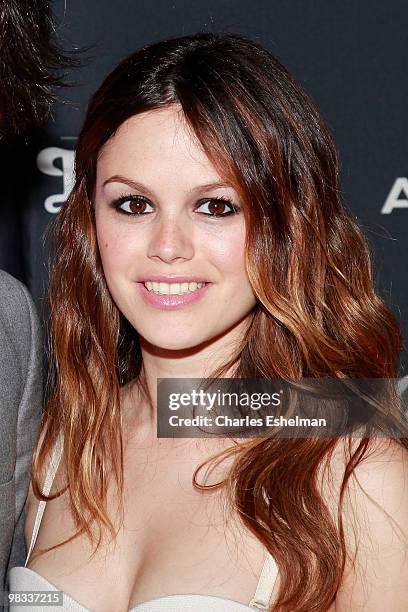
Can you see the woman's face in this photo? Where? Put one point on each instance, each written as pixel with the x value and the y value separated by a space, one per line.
pixel 162 233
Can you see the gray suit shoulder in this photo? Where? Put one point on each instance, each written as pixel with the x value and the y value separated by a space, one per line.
pixel 9 282
pixel 18 314
pixel 13 292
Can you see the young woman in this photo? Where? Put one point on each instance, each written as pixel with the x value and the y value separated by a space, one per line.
pixel 205 236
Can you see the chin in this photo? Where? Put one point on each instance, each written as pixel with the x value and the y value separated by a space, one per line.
pixel 173 341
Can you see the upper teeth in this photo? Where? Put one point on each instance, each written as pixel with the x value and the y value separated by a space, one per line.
pixel 172 288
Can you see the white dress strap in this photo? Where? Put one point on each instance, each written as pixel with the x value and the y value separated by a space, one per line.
pixel 267 579
pixel 49 478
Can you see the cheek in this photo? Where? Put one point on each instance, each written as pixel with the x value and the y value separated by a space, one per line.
pixel 116 249
pixel 227 253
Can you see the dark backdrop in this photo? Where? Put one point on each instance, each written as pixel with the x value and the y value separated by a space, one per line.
pixel 351 57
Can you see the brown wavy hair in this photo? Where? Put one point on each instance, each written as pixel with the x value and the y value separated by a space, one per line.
pixel 317 313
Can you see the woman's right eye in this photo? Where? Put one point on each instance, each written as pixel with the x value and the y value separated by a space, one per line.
pixel 132 205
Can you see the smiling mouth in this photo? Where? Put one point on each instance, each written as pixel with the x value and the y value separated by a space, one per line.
pixel 172 288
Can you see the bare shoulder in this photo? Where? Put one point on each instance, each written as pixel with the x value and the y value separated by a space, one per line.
pixel 378 490
pixel 382 470
pixel 375 520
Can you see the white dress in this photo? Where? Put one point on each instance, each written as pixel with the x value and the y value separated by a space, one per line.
pixel 24 579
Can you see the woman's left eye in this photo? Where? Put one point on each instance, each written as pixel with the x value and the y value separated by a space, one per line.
pixel 217 207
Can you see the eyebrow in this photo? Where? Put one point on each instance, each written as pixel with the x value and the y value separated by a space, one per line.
pixel 117 178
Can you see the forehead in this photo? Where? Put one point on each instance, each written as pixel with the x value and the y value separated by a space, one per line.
pixel 156 143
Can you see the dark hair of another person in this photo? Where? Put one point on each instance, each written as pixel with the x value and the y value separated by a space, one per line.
pixel 30 61
pixel 317 313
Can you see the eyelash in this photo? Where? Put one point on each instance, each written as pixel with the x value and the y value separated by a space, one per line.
pixel 126 198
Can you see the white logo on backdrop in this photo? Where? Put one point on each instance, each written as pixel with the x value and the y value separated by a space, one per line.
pixel 46 163
pixel 398 196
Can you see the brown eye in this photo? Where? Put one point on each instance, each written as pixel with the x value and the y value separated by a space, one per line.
pixel 137 206
pixel 217 207
pixel 132 205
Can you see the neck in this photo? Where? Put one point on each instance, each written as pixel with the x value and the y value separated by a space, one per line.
pixel 196 362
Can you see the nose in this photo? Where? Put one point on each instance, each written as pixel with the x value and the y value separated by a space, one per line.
pixel 171 240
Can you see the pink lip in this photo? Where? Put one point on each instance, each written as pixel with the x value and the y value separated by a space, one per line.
pixel 171 302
